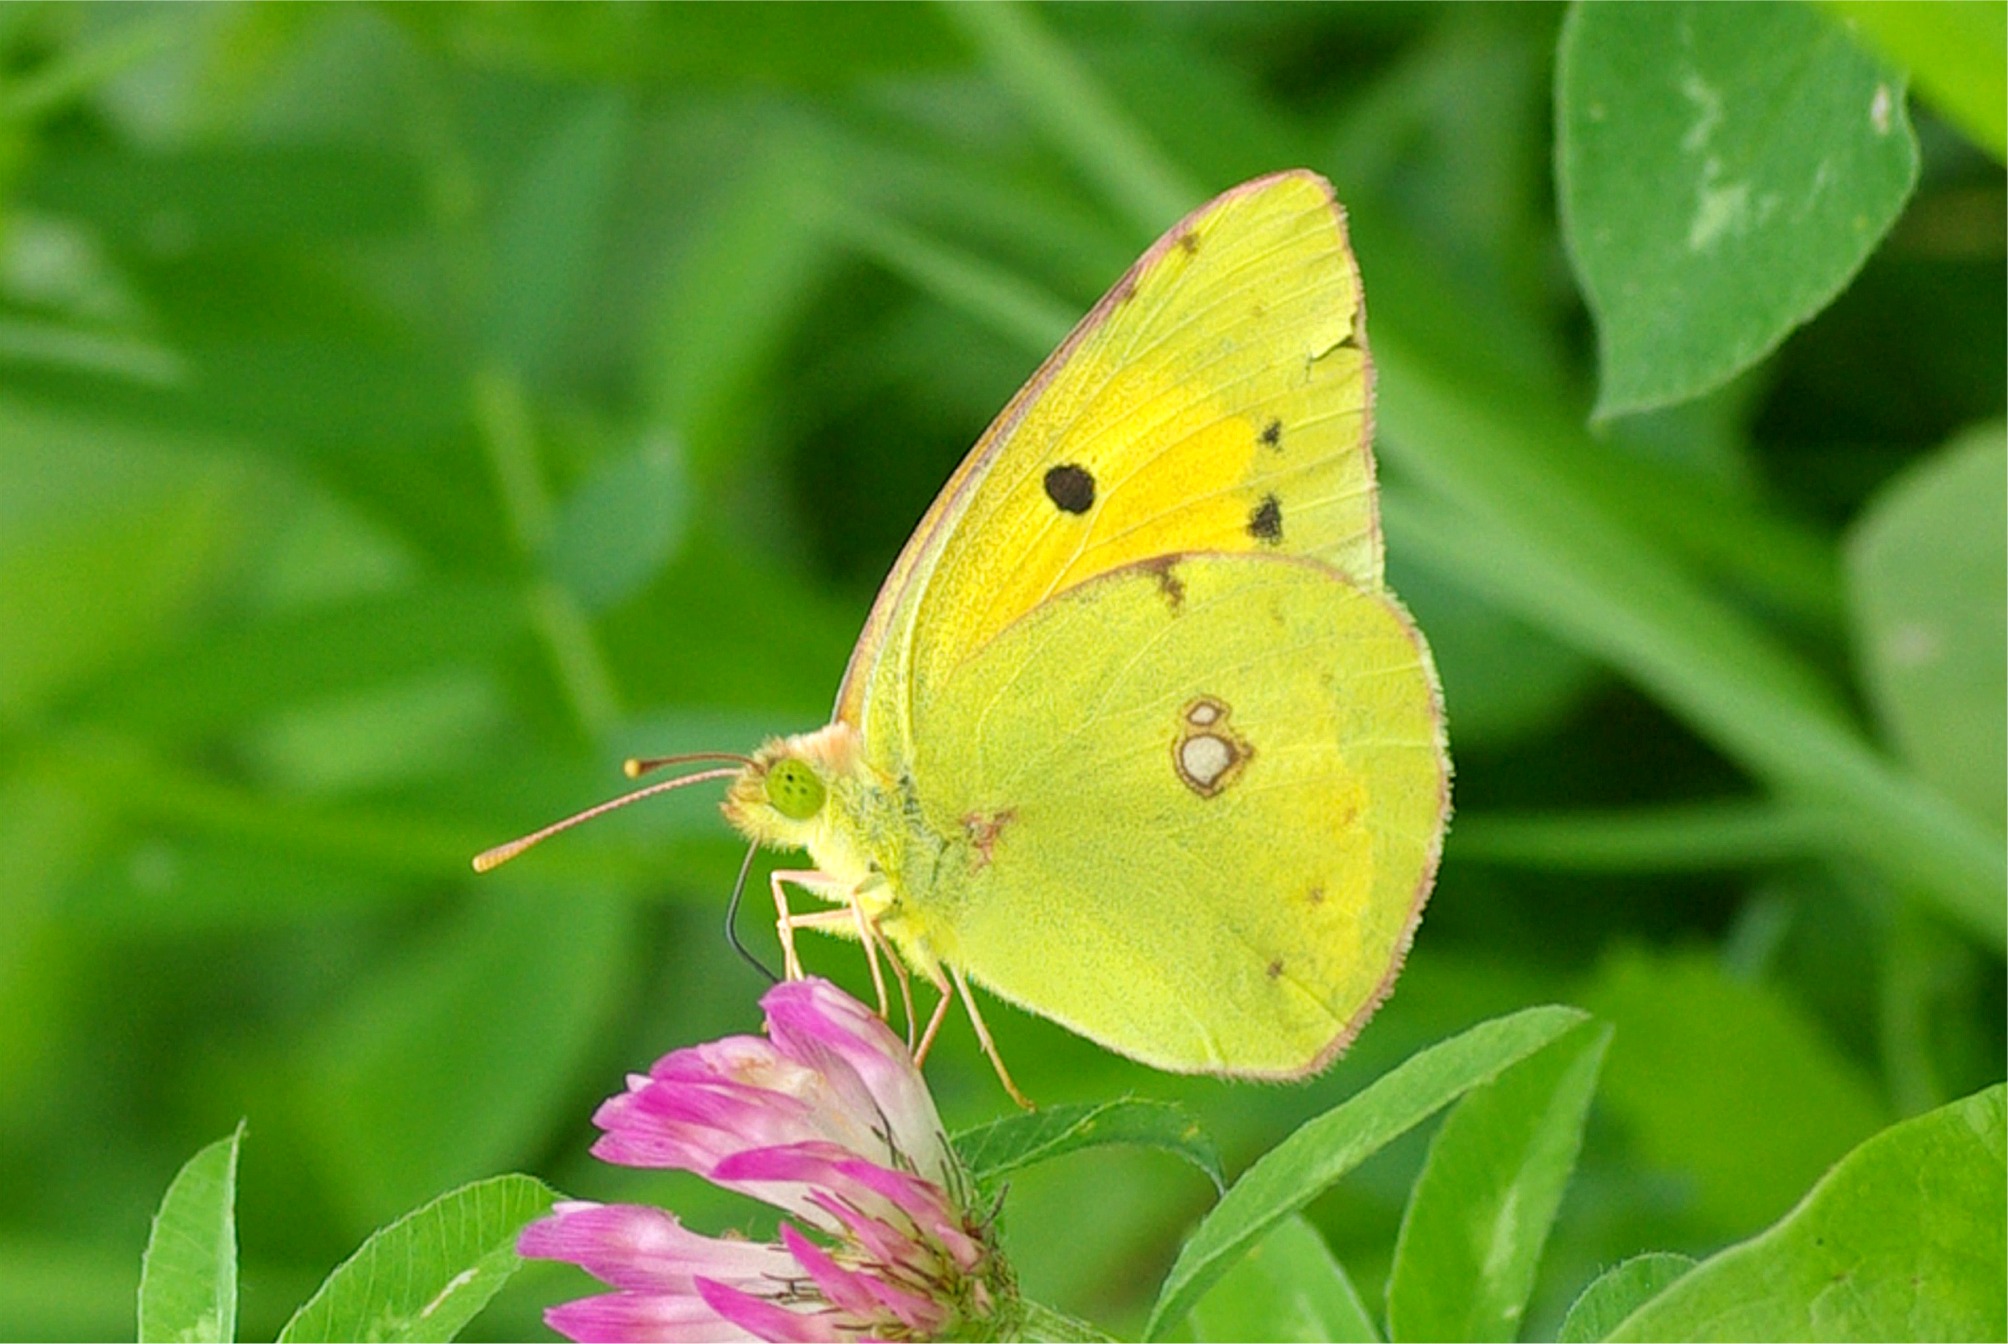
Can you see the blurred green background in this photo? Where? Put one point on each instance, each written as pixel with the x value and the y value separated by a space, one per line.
pixel 407 413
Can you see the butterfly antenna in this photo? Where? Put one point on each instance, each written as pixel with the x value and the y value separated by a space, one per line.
pixel 732 918
pixel 501 854
pixel 637 766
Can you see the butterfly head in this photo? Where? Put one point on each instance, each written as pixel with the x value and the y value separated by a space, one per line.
pixel 782 797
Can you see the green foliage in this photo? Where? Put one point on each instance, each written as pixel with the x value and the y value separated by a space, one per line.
pixel 1698 1051
pixel 992 1152
pixel 422 1278
pixel 1724 171
pixel 1955 53
pixel 498 990
pixel 1556 548
pixel 1288 1287
pixel 188 1278
pixel 1479 1214
pixel 618 528
pixel 425 1276
pixel 1928 570
pixel 1618 1292
pixel 1903 1239
pixel 1292 1173
pixel 407 413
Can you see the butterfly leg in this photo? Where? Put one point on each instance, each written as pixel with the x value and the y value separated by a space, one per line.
pixel 934 1020
pixel 787 921
pixel 852 914
pixel 899 973
pixel 839 922
pixel 874 939
pixel 868 934
pixel 983 1035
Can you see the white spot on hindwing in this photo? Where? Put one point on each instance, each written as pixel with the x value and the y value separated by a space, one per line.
pixel 1207 753
pixel 1204 759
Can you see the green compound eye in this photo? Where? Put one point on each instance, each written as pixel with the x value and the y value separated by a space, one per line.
pixel 794 790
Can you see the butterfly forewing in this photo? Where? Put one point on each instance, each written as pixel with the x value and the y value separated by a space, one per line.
pixel 1218 398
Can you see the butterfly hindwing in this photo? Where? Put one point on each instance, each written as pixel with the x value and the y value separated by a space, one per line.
pixel 1199 801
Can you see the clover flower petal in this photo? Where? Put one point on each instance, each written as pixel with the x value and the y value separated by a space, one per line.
pixel 634 1318
pixel 646 1250
pixel 827 1119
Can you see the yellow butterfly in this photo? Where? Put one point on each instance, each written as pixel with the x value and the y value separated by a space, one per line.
pixel 1135 735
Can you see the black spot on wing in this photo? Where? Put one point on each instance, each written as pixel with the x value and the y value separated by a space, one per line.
pixel 1071 488
pixel 1265 521
pixel 1189 241
pixel 1272 434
